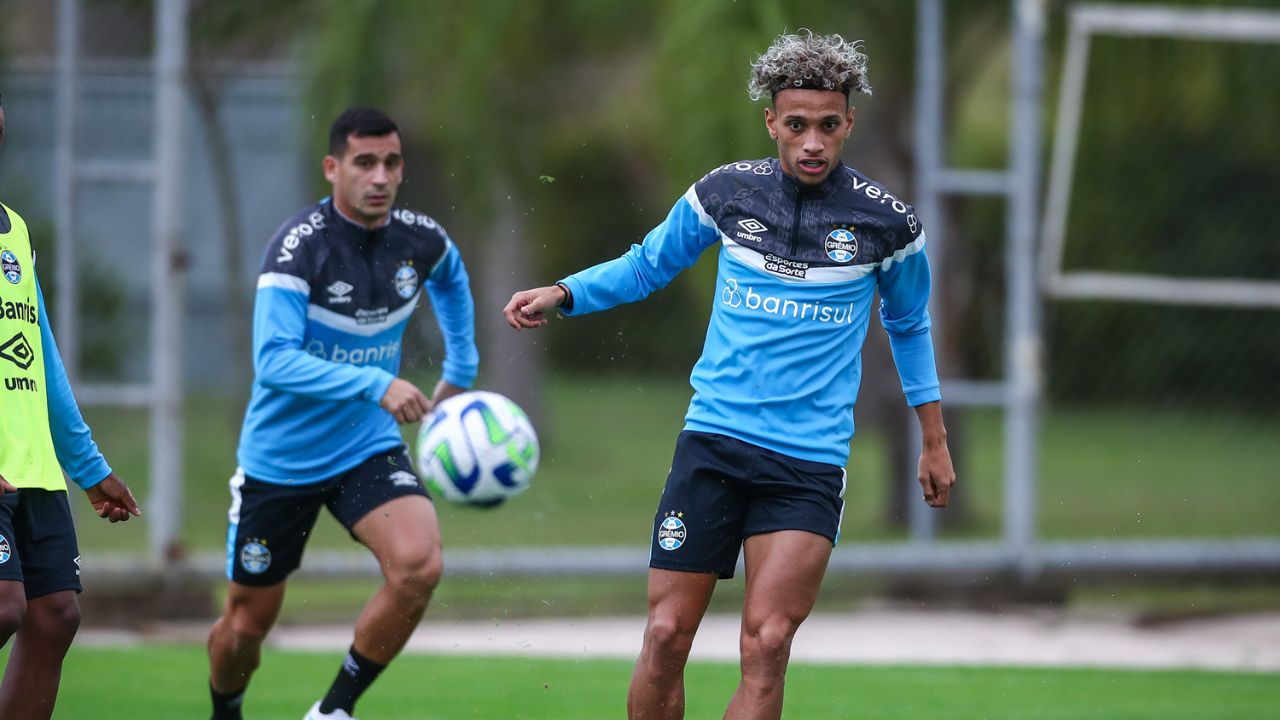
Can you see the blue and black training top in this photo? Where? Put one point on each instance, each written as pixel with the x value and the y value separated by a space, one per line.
pixel 798 269
pixel 332 305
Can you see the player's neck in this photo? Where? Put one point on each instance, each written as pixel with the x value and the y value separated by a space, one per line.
pixel 346 214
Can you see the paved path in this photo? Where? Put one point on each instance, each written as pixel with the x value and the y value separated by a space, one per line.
pixel 876 636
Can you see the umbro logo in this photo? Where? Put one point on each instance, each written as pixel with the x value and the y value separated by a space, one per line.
pixel 401 478
pixel 339 293
pixel 18 351
pixel 752 228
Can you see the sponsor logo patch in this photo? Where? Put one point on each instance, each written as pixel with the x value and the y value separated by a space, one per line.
pixel 353 356
pixel 18 351
pixel 339 293
pixel 752 228
pixel 5 551
pixel 735 296
pixel 403 478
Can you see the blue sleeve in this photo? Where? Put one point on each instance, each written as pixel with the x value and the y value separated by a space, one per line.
pixel 279 326
pixel 904 284
pixel 667 249
pixel 455 311
pixel 77 453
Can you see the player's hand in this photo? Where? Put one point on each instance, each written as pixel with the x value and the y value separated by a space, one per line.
pixel 112 500
pixel 405 401
pixel 527 307
pixel 937 476
pixel 444 391
pixel 6 486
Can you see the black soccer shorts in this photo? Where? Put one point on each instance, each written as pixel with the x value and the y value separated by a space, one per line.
pixel 722 490
pixel 38 542
pixel 269 523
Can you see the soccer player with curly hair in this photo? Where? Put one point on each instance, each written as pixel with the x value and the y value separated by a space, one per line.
pixel 805 242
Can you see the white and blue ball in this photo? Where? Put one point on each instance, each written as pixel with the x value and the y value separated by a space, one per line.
pixel 478 449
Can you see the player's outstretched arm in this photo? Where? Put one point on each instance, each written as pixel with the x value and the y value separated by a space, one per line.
pixel 936 473
pixel 405 401
pixel 528 308
pixel 112 500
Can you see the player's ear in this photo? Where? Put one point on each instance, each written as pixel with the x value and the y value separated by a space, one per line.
pixel 849 121
pixel 771 122
pixel 330 168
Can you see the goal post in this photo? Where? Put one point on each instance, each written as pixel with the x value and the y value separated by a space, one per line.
pixel 1083 23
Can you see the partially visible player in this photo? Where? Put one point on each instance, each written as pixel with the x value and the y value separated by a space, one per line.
pixel 42 434
pixel 339 283
pixel 805 242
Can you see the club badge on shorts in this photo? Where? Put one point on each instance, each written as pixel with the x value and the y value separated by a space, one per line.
pixel 255 558
pixel 672 532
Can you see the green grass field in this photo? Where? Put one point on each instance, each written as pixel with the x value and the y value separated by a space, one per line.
pixel 1104 474
pixel 169 682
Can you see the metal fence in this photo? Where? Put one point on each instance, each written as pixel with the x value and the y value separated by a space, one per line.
pixel 1060 341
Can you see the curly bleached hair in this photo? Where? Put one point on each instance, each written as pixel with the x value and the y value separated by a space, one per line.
pixel 809 62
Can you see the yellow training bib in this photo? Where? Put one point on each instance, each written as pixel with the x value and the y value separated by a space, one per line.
pixel 27 459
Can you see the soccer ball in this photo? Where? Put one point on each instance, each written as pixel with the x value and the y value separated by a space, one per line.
pixel 477 448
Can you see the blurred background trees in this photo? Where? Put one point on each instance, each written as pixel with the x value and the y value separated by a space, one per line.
pixel 550 136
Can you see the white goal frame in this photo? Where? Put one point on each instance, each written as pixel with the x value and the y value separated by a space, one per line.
pixel 1085 21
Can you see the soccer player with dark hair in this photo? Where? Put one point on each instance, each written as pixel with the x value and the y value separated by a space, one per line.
pixel 42 434
pixel 338 285
pixel 805 242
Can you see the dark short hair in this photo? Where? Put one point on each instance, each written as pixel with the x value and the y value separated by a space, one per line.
pixel 361 122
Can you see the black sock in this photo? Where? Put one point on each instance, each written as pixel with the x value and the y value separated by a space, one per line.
pixel 357 674
pixel 226 706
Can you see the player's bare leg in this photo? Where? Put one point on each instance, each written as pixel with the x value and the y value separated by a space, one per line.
pixel 677 602
pixel 35 665
pixel 235 642
pixel 784 572
pixel 13 607
pixel 404 536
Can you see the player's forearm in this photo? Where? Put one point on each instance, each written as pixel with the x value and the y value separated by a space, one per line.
pixel 917 370
pixel 667 250
pixel 455 314
pixel 932 432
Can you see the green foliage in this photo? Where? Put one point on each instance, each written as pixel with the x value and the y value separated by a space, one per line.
pixel 1174 176
pixel 104 336
pixel 624 104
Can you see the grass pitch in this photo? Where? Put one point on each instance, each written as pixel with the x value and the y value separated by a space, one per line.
pixel 170 682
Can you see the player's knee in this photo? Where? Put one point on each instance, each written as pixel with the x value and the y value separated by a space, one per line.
pixel 768 643
pixel 12 612
pixel 247 626
pixel 669 637
pixel 56 618
pixel 414 576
